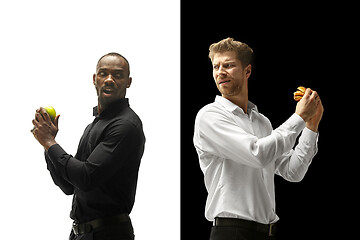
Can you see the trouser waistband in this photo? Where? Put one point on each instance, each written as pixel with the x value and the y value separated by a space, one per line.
pixel 270 229
pixel 83 228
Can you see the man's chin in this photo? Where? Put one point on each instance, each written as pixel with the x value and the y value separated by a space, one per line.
pixel 106 100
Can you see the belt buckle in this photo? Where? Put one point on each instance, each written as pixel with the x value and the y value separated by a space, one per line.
pixel 75 228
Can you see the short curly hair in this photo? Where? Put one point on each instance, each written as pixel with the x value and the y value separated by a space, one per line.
pixel 244 52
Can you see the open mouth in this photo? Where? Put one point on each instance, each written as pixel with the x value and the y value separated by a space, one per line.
pixel 107 91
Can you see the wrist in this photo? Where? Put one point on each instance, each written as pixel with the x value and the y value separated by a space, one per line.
pixel 312 127
pixel 48 144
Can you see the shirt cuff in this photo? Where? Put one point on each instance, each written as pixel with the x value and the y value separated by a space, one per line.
pixel 59 158
pixel 309 137
pixel 296 123
pixel 308 141
pixel 55 151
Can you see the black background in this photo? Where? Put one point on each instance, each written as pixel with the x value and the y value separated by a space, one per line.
pixel 295 45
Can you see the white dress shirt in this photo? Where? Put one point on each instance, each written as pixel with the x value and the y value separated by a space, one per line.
pixel 239 155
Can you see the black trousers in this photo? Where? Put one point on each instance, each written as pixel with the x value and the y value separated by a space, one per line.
pixel 237 233
pixel 123 231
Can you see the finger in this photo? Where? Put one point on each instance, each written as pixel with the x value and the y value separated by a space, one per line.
pixel 36 112
pixel 39 117
pixel 307 93
pixel 35 123
pixel 314 95
pixel 39 114
pixel 44 113
pixel 319 101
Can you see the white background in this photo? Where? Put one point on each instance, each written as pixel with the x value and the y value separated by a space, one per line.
pixel 48 54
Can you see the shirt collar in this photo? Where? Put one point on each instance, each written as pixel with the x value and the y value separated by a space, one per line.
pixel 231 107
pixel 112 109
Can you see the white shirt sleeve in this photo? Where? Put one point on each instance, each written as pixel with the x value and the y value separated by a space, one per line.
pixel 218 134
pixel 293 165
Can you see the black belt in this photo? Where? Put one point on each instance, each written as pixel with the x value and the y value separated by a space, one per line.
pixel 269 229
pixel 83 228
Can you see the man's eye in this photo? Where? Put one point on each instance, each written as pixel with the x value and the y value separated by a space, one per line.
pixel 118 75
pixel 216 67
pixel 102 74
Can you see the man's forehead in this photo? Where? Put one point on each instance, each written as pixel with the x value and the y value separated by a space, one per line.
pixel 108 62
pixel 225 56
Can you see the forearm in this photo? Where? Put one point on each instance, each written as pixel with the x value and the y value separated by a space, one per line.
pixel 241 146
pixel 84 175
pixel 64 185
pixel 105 160
pixel 281 140
pixel 294 165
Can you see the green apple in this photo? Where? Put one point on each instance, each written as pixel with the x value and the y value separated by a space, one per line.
pixel 51 111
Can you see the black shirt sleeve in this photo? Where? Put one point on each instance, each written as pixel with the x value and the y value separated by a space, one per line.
pixel 109 155
pixel 65 186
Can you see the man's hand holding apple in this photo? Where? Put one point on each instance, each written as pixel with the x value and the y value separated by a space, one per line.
pixel 310 109
pixel 44 129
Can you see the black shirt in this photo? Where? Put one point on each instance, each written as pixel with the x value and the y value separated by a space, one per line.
pixel 103 174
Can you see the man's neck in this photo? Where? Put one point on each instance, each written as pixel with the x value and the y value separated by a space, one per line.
pixel 100 108
pixel 239 100
pixel 104 106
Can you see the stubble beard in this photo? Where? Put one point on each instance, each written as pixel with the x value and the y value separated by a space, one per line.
pixel 232 91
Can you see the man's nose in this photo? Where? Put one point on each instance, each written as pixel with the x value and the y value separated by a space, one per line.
pixel 222 71
pixel 109 79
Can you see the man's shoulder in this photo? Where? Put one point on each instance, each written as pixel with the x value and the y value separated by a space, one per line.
pixel 127 117
pixel 211 113
pixel 126 124
pixel 208 108
pixel 215 112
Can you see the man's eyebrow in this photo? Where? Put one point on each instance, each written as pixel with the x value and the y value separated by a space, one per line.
pixel 229 60
pixel 225 61
pixel 116 69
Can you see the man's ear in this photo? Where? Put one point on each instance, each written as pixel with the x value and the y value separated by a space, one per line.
pixel 247 71
pixel 94 78
pixel 129 82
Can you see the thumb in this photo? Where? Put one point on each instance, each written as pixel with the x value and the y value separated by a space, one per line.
pixel 56 121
